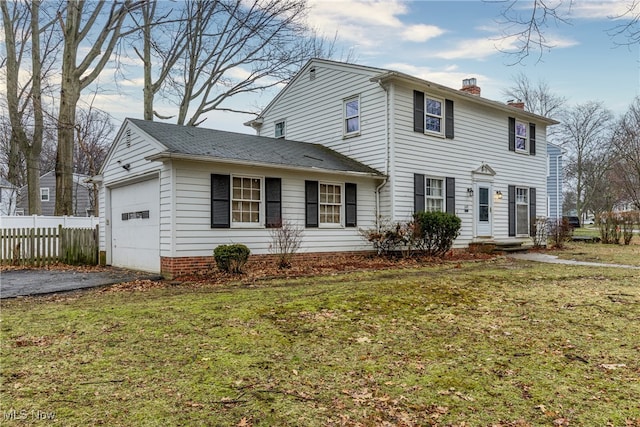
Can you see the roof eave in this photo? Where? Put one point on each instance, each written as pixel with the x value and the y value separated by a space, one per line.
pixel 165 155
pixel 391 76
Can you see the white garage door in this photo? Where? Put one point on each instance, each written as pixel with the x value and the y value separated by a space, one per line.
pixel 135 229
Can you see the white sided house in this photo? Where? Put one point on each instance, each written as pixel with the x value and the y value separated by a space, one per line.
pixel 170 194
pixel 440 148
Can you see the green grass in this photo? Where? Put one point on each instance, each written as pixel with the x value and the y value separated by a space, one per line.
pixel 598 252
pixel 485 343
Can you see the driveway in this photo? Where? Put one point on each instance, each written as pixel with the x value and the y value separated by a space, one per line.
pixel 16 283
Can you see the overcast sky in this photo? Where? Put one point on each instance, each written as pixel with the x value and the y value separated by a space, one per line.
pixel 448 41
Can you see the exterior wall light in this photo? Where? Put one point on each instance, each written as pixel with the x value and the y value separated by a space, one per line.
pixel 499 194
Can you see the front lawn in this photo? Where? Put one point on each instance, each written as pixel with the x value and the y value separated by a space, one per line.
pixel 599 252
pixel 494 342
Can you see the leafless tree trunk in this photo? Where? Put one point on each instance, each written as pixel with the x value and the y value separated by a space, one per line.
pixel 159 52
pixel 78 73
pixel 24 101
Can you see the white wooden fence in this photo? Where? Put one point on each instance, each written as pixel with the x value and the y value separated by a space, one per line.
pixel 36 221
pixel 43 240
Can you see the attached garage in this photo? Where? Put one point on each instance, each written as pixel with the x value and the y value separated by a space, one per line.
pixel 135 235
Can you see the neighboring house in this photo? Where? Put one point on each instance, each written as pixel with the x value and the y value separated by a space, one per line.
pixel 83 198
pixel 7 197
pixel 554 181
pixel 170 194
pixel 377 145
pixel 441 148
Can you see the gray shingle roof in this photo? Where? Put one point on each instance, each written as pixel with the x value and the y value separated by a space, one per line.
pixel 216 144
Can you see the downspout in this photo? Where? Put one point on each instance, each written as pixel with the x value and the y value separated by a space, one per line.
pixel 558 207
pixel 386 157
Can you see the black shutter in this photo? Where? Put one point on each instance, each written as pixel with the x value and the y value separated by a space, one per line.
pixel 532 212
pixel 418 192
pixel 532 139
pixel 351 204
pixel 273 202
pixel 512 134
pixel 451 195
pixel 311 204
pixel 220 201
pixel 448 121
pixel 418 111
pixel 511 195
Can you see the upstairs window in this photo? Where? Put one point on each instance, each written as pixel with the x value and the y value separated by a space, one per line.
pixel 44 194
pixel 521 136
pixel 279 129
pixel 433 115
pixel 352 116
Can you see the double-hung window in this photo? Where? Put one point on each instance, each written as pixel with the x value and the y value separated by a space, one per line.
pixel 522 211
pixel 330 203
pixel 434 195
pixel 44 194
pixel 434 115
pixel 279 129
pixel 245 202
pixel 521 136
pixel 351 116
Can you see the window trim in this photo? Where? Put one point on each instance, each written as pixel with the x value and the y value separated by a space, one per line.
pixel 45 191
pixel 441 117
pixel 284 129
pixel 261 207
pixel 339 224
pixel 345 117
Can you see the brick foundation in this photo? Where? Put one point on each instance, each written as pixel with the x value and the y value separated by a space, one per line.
pixel 174 267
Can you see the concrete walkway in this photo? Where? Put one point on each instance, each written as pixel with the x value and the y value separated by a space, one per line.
pixel 552 259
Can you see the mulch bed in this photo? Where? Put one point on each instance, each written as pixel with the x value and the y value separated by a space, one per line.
pixel 263 269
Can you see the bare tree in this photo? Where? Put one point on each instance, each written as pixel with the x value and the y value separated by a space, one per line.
pixel 94 130
pixel 159 52
pixel 586 133
pixel 23 30
pixel 528 25
pixel 538 98
pixel 85 24
pixel 628 32
pixel 626 144
pixel 234 47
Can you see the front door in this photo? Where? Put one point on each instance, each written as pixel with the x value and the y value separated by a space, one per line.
pixel 483 209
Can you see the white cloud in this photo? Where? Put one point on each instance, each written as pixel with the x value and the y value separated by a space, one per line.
pixel 421 33
pixel 449 76
pixel 367 23
pixel 604 9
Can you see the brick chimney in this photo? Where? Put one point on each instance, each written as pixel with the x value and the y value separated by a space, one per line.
pixel 516 104
pixel 470 86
